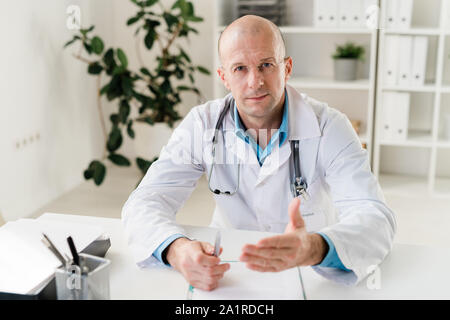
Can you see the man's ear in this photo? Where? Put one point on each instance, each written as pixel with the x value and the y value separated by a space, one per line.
pixel 222 77
pixel 288 68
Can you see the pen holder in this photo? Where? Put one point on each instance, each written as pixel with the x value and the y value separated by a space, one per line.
pixel 89 281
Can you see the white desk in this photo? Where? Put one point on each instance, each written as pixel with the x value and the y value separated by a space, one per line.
pixel 409 272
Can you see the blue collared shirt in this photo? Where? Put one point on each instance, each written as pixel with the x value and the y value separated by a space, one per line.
pixel 280 134
pixel 332 259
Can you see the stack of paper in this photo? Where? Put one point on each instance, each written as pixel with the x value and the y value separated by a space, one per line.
pixel 241 283
pixel 25 262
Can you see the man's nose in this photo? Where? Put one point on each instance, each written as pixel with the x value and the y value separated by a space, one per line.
pixel 255 78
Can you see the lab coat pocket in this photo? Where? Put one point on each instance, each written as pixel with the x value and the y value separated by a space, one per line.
pixel 312 210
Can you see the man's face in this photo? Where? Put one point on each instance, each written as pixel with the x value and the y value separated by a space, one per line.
pixel 255 71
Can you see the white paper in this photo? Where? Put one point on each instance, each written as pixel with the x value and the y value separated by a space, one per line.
pixel 25 262
pixel 419 60
pixel 241 283
pixel 404 61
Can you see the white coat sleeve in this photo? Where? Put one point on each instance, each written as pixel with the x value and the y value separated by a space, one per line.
pixel 149 213
pixel 365 230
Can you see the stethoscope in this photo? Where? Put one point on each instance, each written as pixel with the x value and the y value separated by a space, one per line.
pixel 298 184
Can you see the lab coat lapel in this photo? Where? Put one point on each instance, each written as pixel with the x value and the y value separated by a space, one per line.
pixel 273 162
pixel 304 126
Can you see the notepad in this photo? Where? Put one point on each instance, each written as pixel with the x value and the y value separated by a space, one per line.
pixel 241 283
pixel 25 262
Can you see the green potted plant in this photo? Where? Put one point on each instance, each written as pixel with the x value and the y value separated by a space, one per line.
pixel 153 91
pixel 345 61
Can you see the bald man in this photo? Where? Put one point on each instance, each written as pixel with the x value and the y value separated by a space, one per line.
pixel 265 116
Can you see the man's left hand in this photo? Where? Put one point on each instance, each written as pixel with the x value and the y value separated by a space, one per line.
pixel 296 247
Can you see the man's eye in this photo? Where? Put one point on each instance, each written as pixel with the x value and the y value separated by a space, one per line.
pixel 240 68
pixel 266 65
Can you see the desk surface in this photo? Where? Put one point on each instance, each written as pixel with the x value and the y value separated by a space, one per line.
pixel 409 272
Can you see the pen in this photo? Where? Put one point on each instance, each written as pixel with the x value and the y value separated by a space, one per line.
pixel 49 244
pixel 73 250
pixel 217 244
pixel 215 253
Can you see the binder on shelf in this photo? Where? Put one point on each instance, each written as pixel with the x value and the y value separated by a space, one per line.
pixel 369 8
pixel 386 116
pixel 390 68
pixel 390 19
pixel 419 60
pixel 349 14
pixel 400 116
pixel 325 13
pixel 405 8
pixel 404 60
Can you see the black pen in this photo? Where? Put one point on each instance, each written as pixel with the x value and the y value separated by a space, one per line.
pixel 76 258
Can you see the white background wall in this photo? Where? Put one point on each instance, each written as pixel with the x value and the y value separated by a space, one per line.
pixel 49 123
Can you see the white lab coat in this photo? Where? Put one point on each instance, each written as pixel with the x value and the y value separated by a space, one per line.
pixel 346 201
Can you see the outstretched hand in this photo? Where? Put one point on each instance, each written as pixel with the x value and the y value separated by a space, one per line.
pixel 296 247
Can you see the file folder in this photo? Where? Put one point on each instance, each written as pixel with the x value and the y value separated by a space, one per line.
pixel 350 13
pixel 404 13
pixel 404 60
pixel 386 116
pixel 401 116
pixel 368 9
pixel 391 16
pixel 390 68
pixel 325 13
pixel 419 60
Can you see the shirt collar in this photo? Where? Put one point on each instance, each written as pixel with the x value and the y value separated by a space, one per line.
pixel 284 127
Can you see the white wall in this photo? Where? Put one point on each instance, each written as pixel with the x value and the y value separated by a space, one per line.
pixel 45 93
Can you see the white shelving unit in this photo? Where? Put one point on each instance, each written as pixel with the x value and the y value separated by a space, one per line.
pixel 311 49
pixel 421 163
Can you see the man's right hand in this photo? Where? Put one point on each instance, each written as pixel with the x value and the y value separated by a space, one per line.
pixel 196 262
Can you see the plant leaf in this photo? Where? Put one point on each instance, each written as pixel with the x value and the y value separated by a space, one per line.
pixel 203 70
pixel 124 111
pixel 97 45
pixel 122 58
pixel 114 139
pixel 99 172
pixel 95 68
pixel 119 160
pixel 130 130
